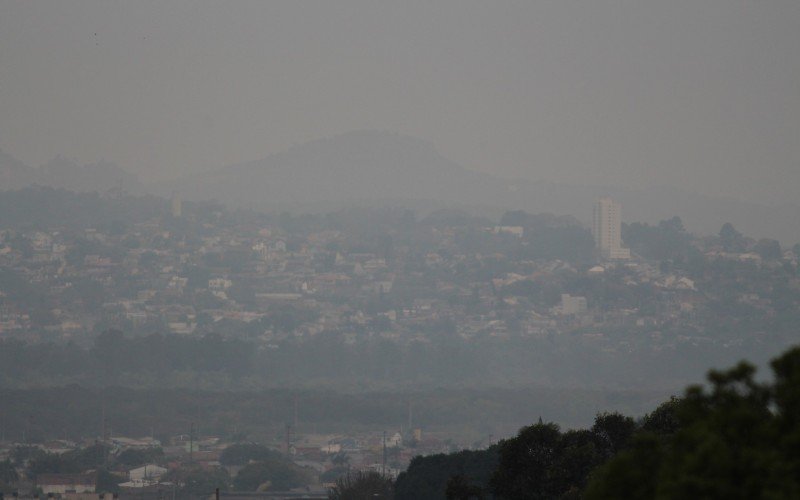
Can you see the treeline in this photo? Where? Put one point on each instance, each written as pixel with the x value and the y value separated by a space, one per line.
pixel 42 208
pixel 328 360
pixel 735 438
pixel 37 415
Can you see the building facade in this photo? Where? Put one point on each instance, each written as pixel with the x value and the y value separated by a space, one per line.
pixel 607 229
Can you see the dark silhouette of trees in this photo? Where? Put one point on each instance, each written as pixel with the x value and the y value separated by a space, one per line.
pixel 244 453
pixel 362 485
pixel 731 239
pixel 275 474
pixel 769 249
pixel 737 439
pixel 460 488
pixel 427 478
pixel 542 462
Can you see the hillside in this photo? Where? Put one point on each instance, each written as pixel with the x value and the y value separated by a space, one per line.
pixel 382 168
pixel 62 173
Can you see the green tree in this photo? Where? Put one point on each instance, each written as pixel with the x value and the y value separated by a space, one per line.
pixel 427 477
pixel 244 453
pixel 522 471
pixel 198 482
pixel 8 476
pixel 614 431
pixel 738 439
pixel 731 239
pixel 769 249
pixel 460 488
pixel 271 474
pixel 362 485
pixel 107 482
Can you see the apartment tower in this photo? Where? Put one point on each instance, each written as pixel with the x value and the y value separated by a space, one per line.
pixel 607 229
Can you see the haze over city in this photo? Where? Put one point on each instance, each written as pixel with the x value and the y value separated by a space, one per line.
pixel 697 95
pixel 414 250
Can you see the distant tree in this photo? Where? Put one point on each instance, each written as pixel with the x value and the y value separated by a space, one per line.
pixel 362 485
pixel 51 463
pixel 8 476
pixel 107 482
pixel 271 474
pixel 731 239
pixel 674 224
pixel 667 242
pixel 197 482
pixel 515 218
pixel 21 455
pixel 244 453
pixel 769 249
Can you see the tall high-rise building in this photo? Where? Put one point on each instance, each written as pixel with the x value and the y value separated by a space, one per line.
pixel 607 229
pixel 177 205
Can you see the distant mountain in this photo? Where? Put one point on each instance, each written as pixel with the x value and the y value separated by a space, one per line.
pixel 66 174
pixel 359 166
pixel 380 168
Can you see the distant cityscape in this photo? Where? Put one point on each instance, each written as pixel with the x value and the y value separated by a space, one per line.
pixel 285 286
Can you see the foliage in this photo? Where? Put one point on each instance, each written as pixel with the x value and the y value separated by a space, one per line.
pixel 737 439
pixel 460 488
pixel 8 476
pixel 270 474
pixel 107 482
pixel 199 482
pixel 541 462
pixel 667 241
pixel 360 485
pixel 244 453
pixel 731 239
pixel 768 249
pixel 427 478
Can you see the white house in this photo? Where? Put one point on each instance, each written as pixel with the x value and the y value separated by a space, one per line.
pixel 149 472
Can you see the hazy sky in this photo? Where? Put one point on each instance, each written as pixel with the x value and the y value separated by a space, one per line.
pixel 699 94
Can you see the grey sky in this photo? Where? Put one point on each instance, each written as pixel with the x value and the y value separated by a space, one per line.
pixel 699 94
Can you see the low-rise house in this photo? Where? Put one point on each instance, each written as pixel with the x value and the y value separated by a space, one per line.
pixel 61 484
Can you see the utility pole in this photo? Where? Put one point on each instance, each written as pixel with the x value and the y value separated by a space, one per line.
pixel 288 439
pixel 191 442
pixel 383 467
pixel 294 422
pixel 103 423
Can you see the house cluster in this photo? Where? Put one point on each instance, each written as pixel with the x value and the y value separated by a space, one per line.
pixel 270 283
pixel 146 468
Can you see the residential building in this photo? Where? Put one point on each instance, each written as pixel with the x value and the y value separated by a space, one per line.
pixel 607 229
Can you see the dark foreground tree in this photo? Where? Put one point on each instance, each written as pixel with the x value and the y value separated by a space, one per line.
pixel 737 440
pixel 541 462
pixel 430 477
pixel 460 488
pixel 362 486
